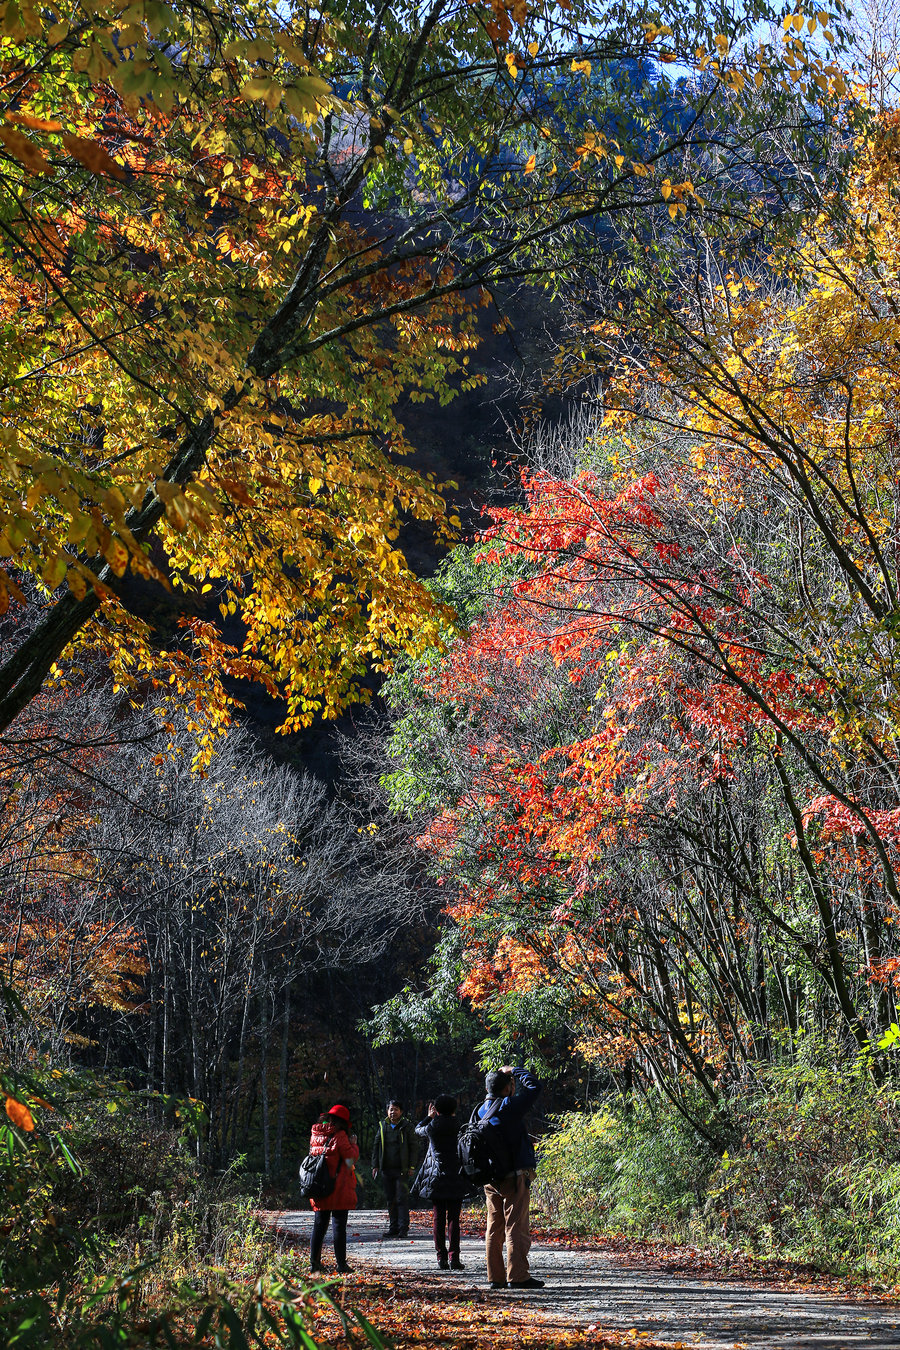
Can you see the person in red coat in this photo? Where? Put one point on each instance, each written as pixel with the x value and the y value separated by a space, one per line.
pixel 331 1136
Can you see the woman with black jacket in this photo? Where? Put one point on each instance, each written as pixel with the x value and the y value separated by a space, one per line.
pixel 441 1181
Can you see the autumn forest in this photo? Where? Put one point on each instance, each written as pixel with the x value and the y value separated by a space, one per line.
pixel 449 618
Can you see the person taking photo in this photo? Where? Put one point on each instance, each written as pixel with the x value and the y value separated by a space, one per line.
pixel 446 1186
pixel 511 1093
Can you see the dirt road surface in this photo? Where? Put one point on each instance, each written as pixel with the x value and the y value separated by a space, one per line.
pixel 588 1287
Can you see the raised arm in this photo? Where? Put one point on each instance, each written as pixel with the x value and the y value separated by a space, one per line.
pixel 527 1095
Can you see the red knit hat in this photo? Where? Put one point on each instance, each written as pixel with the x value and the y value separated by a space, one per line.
pixel 340 1111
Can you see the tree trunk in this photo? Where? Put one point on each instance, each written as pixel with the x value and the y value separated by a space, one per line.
pixel 263 1078
pixel 282 1077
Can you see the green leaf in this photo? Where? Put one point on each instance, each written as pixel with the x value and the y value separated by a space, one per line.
pixel 74 1164
pixel 890 1037
pixel 372 1336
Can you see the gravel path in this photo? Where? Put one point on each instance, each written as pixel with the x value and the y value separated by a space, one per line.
pixel 590 1288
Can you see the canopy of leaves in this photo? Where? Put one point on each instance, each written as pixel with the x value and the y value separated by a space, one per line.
pixel 662 761
pixel 233 237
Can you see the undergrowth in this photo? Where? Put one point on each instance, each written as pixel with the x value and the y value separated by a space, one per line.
pixel 112 1233
pixel 811 1172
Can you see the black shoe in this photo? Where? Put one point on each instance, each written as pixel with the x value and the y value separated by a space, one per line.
pixel 390 1232
pixel 343 1268
pixel 404 1232
pixel 316 1270
pixel 498 1284
pixel 456 1264
pixel 443 1263
pixel 530 1283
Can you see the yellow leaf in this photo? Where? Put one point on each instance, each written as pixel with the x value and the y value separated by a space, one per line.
pixel 167 491
pixel 113 501
pixel 53 572
pixel 237 491
pixel 116 555
pixel 92 155
pixel 78 528
pixel 24 150
pixel 26 119
pixel 529 164
pixel 177 515
pixel 266 90
pixel 76 583
pixel 315 486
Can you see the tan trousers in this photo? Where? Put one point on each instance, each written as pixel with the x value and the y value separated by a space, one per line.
pixel 508 1220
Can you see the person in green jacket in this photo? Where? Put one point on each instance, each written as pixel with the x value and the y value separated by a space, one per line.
pixel 392 1160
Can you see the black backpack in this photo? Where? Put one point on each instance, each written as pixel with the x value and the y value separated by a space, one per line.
pixel 315 1179
pixel 484 1154
pixel 423 1186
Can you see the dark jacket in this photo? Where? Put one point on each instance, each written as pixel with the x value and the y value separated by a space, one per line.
pixel 392 1151
pixel 510 1115
pixel 440 1176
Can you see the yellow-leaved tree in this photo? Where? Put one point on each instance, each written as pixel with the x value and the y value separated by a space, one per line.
pixel 231 236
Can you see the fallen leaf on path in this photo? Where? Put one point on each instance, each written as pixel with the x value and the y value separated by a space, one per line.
pixel 422 1312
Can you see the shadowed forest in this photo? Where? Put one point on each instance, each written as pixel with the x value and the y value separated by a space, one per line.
pixel 449 618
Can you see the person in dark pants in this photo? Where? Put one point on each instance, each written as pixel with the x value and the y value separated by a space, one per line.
pixel 392 1158
pixel 446 1184
pixel 331 1136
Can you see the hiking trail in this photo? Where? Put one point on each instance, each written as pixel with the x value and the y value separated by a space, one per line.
pixel 589 1288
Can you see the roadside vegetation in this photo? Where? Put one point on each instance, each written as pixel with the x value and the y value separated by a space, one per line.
pixel 810 1177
